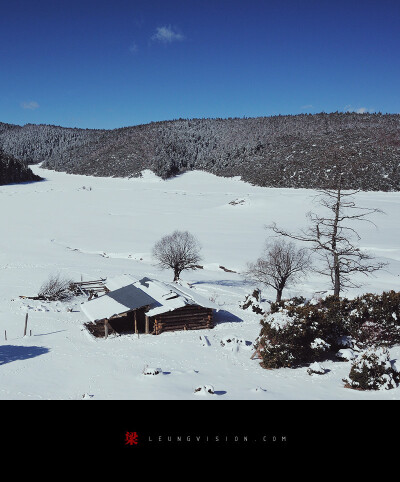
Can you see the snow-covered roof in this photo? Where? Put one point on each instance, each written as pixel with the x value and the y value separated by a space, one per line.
pixel 116 302
pixel 161 297
pixel 119 281
pixel 171 296
pixel 102 307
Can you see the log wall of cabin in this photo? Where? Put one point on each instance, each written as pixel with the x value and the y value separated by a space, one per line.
pixel 190 317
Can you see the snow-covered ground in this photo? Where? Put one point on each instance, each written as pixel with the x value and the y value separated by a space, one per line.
pixel 90 227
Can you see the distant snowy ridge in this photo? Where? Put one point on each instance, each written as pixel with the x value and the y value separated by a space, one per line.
pixel 299 151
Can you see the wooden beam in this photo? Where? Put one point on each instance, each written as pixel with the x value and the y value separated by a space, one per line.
pixel 105 328
pixel 136 330
pixel 119 316
pixel 97 281
pixel 146 324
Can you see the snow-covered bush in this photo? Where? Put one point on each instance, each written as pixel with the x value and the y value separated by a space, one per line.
pixel 235 343
pixel 291 337
pixel 252 302
pixel 230 340
pixel 204 390
pixel 319 345
pixel 372 319
pixel 373 370
pixel 151 371
pixel 316 368
pixel 295 331
pixel 346 354
pixel 367 320
pixel 295 301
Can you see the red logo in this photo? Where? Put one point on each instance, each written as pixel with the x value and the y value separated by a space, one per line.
pixel 131 438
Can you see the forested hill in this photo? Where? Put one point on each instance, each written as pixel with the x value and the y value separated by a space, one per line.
pixel 279 151
pixel 14 171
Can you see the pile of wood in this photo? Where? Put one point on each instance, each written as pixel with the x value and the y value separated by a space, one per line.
pixel 90 288
pixel 57 289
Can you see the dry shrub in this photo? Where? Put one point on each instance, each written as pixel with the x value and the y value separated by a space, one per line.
pixel 56 288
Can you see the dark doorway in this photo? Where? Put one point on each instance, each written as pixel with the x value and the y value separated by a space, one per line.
pixel 126 322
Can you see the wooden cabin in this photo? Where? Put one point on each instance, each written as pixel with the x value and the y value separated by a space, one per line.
pixel 147 306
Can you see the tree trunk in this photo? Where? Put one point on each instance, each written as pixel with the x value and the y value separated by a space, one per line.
pixel 336 267
pixel 336 273
pixel 177 272
pixel 279 288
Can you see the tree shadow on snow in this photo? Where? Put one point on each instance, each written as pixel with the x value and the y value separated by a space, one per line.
pixel 10 353
pixel 50 333
pixel 225 282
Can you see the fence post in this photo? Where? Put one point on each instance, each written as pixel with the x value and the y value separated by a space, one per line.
pixel 26 323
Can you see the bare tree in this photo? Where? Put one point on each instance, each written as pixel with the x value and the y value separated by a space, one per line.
pixel 280 265
pixel 179 251
pixel 334 239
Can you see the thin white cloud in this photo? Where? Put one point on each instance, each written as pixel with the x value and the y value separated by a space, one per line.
pixel 358 110
pixel 308 106
pixel 167 35
pixel 31 105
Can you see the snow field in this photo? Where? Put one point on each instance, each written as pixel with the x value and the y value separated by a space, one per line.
pixel 107 230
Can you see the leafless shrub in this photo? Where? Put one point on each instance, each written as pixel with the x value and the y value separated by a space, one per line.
pixel 56 288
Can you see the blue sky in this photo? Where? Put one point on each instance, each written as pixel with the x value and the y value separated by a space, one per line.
pixel 109 64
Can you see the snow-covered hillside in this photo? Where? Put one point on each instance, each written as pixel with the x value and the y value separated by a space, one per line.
pixel 87 227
